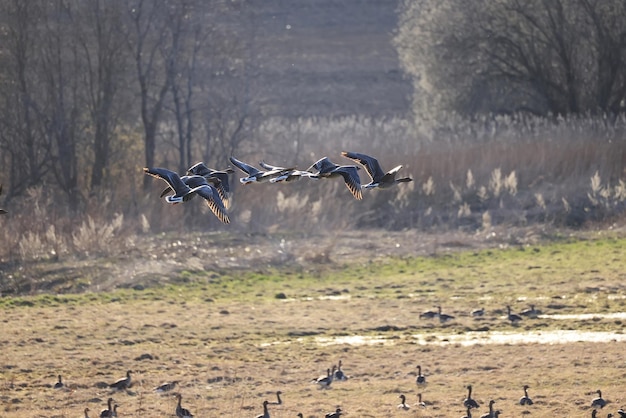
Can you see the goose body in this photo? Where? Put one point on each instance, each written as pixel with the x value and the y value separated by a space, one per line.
pixel 339 374
pixel 166 387
pixel 421 379
pixel 325 381
pixel 478 312
pixel 379 178
pixel 525 400
pixel 530 312
pixel 180 411
pixel 514 318
pixel 187 187
pixel 403 404
pixel 123 383
pixel 420 402
pixel 469 402
pixel 324 168
pixel 429 314
pixel 266 412
pixel 254 175
pixel 107 413
pixel 598 402
pixel 442 316
pixel 335 414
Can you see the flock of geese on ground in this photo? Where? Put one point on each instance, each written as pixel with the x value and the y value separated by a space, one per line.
pixel 514 318
pixel 324 382
pixel 213 185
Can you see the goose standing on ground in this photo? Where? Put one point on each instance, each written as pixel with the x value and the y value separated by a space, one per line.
pixel 525 400
pixel 254 175
pixel 442 316
pixel 324 168
pixel 403 404
pixel 278 400
pixel 59 384
pixel 469 402
pixel 514 318
pixel 266 412
pixel 339 374
pixel 86 411
pixel 478 312
pixel 166 387
pixel 468 413
pixel 380 178
pixel 530 312
pixel 489 414
pixel 114 412
pixel 621 413
pixel 180 411
pixel 187 187
pixel 325 381
pixel 2 211
pixel 421 379
pixel 420 402
pixel 107 413
pixel 338 412
pixel 598 402
pixel 123 383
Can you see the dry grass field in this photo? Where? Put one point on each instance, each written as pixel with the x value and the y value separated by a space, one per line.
pixel 233 337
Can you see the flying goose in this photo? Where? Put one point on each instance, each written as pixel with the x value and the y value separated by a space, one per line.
pixel 254 175
pixel 489 414
pixel 324 168
pixel 421 379
pixel 403 404
pixel 380 178
pixel 180 411
pixel 286 174
pixel 2 211
pixel 525 400
pixel 123 383
pixel 278 400
pixel 514 318
pixel 187 187
pixel 266 412
pixel 598 402
pixel 166 387
pixel 107 413
pixel 59 384
pixel 335 414
pixel 469 402
pixel 339 374
pixel 218 178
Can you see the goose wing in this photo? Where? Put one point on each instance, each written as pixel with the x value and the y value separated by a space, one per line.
pixel 352 180
pixel 246 168
pixel 322 166
pixel 371 164
pixel 170 177
pixel 213 200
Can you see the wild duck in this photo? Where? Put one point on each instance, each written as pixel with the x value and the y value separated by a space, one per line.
pixel 123 383
pixel 59 384
pixel 514 318
pixel 166 387
pixel 525 400
pixel 598 402
pixel 2 211
pixel 402 404
pixel 379 177
pixel 339 374
pixel 180 411
pixel 187 187
pixel 324 168
pixel 107 413
pixel 469 402
pixel 338 412
pixel 421 379
pixel 254 175
pixel 266 412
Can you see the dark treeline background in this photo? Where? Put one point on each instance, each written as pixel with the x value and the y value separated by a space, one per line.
pixel 504 112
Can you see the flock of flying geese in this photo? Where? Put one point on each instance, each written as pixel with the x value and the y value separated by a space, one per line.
pixel 213 185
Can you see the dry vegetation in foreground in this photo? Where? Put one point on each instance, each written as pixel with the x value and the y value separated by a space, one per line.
pixel 232 344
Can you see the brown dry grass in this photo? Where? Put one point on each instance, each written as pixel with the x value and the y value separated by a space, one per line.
pixel 231 353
